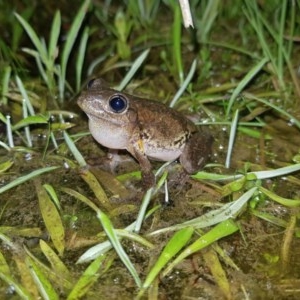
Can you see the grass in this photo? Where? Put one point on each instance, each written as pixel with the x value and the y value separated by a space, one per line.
pixel 243 88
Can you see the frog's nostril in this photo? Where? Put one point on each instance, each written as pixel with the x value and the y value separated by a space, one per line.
pixel 118 103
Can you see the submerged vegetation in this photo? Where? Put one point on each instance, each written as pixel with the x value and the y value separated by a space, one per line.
pixel 71 230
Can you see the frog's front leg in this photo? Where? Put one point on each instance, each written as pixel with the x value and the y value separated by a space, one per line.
pixel 196 152
pixel 147 175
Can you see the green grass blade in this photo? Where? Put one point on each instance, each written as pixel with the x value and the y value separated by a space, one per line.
pixel 72 35
pixel 176 47
pixel 112 236
pixel 80 57
pixel 135 66
pixel 37 119
pixel 281 34
pixel 25 178
pixel 19 289
pixel 185 83
pixel 111 233
pixel 76 153
pixel 52 193
pixel 227 211
pixel 6 276
pixel 51 218
pixel 209 16
pixel 221 230
pixel 54 35
pixel 5 84
pixel 175 244
pixel 280 200
pixel 34 38
pixel 277 172
pixel 280 110
pixel 40 278
pixel 145 202
pixel 25 96
pixel 232 136
pixel 87 279
pixel 56 263
pixel 243 83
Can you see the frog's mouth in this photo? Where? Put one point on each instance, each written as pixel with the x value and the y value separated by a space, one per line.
pixel 102 117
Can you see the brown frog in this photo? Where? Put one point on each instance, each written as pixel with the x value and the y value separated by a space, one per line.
pixel 147 129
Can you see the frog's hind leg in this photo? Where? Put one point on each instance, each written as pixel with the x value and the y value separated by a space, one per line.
pixel 196 152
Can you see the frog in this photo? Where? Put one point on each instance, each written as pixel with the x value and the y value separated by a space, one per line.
pixel 147 129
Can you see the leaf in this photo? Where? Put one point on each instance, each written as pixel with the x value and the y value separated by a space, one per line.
pixel 25 178
pixel 87 279
pixel 111 233
pixel 57 265
pixel 6 276
pixel 36 119
pixel 95 186
pixel 213 263
pixel 280 200
pixel 34 38
pixel 51 218
pixel 54 35
pixel 174 245
pixel 43 284
pixel 5 166
pixel 219 231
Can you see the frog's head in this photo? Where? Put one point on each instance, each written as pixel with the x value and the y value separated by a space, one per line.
pixel 102 103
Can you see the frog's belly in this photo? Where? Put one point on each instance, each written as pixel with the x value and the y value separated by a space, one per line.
pixel 163 154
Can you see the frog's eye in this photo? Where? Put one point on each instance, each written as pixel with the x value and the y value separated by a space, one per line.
pixel 118 103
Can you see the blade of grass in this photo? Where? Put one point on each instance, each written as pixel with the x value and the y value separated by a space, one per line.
pixel 232 136
pixel 4 84
pixel 227 211
pixel 34 39
pixel 213 263
pixel 209 16
pixel 37 119
pixel 113 238
pixel 176 42
pixel 72 35
pixel 243 83
pixel 43 284
pixel 56 264
pixel 24 95
pixel 280 200
pixel 89 277
pixel 18 288
pixel 51 218
pixel 280 110
pixel 25 178
pixel 221 230
pixel 76 153
pixel 111 234
pixel 9 132
pixel 135 66
pixel 175 244
pixel 259 174
pixel 80 57
pixel 54 35
pixel 185 83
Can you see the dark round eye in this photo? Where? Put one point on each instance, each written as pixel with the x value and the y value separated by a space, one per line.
pixel 118 103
